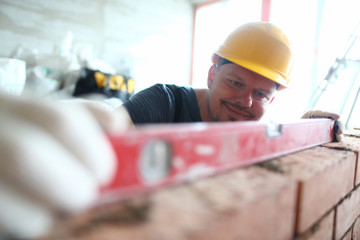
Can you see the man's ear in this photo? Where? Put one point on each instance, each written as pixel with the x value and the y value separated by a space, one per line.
pixel 215 58
pixel 211 75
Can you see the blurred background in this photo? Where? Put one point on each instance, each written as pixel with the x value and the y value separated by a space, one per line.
pixel 135 44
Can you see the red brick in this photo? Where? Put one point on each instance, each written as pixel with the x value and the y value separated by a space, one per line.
pixel 249 204
pixel 174 214
pixel 356 229
pixel 351 142
pixel 324 175
pixel 320 230
pixel 347 236
pixel 347 212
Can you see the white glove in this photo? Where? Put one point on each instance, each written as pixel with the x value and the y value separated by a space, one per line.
pixel 53 158
pixel 338 127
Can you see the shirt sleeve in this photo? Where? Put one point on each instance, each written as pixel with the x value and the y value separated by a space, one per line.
pixel 155 104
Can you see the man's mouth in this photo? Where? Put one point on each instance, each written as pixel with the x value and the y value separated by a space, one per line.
pixel 238 112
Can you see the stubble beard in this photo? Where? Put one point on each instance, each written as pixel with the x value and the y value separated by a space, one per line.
pixel 213 118
pixel 216 117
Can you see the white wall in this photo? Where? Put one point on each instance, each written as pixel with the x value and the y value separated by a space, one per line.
pixel 149 39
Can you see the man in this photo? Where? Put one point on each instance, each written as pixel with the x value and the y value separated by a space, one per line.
pixel 54 156
pixel 253 63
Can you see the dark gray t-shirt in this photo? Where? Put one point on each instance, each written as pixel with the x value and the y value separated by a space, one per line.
pixel 163 103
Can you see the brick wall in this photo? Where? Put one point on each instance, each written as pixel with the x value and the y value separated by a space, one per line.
pixel 312 194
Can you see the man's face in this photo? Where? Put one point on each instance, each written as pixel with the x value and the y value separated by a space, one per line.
pixel 237 94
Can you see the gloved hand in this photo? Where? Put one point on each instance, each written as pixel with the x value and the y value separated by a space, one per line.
pixel 338 127
pixel 53 159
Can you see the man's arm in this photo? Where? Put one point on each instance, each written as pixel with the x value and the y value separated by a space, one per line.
pixel 152 105
pixel 53 158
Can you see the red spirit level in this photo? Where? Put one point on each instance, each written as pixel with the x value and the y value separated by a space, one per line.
pixel 159 155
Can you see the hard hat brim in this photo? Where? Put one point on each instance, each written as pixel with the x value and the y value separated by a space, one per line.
pixel 270 74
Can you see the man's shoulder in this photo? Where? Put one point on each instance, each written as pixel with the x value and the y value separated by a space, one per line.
pixel 172 87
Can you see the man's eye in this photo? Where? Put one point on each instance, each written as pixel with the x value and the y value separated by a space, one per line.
pixel 259 95
pixel 235 83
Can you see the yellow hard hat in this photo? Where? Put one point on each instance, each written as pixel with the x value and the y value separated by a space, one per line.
pixel 260 47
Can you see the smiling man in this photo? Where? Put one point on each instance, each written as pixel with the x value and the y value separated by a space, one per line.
pixel 235 93
pixel 253 63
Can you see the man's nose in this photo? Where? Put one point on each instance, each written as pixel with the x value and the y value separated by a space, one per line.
pixel 245 98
